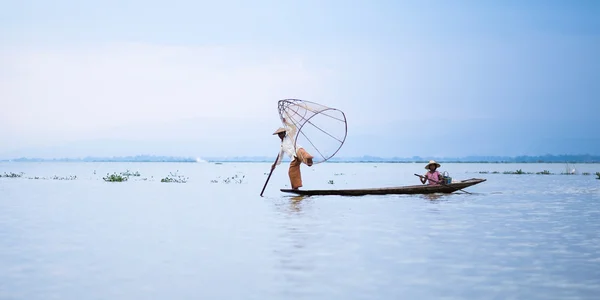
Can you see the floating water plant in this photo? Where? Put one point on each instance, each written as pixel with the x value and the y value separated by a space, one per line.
pixel 72 177
pixel 129 173
pixel 517 172
pixel 174 177
pixel 123 176
pixel 544 172
pixel 12 175
pixel 234 178
pixel 115 178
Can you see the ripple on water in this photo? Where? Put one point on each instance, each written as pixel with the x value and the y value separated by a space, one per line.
pixel 515 237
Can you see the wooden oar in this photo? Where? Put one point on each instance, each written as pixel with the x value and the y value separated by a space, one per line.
pixel 443 184
pixel 272 169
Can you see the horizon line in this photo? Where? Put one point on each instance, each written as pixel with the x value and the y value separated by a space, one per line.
pixel 545 158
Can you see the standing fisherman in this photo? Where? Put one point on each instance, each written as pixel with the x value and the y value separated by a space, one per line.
pixel 297 154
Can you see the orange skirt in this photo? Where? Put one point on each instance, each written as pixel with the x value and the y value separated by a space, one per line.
pixel 294 172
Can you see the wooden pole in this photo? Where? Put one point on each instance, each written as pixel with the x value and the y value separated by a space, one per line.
pixel 272 169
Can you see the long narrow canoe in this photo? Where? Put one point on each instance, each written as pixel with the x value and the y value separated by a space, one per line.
pixel 411 189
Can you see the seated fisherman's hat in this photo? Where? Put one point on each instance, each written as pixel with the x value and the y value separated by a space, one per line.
pixel 279 130
pixel 432 162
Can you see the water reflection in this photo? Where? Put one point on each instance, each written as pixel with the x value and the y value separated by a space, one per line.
pixel 291 205
pixel 432 197
pixel 437 197
pixel 296 203
pixel 294 246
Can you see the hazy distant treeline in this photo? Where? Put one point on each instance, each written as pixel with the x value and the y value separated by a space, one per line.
pixel 471 159
pixel 417 159
pixel 138 158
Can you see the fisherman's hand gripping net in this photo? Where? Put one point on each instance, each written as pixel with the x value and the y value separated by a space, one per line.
pixel 321 130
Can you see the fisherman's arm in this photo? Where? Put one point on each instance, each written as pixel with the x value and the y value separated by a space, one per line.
pixel 292 128
pixel 279 159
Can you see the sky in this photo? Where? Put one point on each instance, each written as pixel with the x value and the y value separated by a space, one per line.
pixel 202 78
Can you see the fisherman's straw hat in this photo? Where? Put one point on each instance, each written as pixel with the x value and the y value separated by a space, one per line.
pixel 432 162
pixel 279 130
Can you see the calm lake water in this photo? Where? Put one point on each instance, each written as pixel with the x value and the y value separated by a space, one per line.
pixel 515 237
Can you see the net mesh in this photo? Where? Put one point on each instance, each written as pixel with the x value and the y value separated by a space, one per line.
pixel 321 130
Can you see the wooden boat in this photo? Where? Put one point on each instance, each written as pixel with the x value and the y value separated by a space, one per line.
pixel 411 189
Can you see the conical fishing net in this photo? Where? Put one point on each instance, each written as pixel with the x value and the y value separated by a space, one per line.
pixel 320 130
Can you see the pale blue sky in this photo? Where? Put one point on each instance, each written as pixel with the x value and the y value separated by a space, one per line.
pixel 445 78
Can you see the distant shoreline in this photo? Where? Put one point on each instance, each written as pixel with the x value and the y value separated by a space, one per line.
pixel 578 159
pixel 328 162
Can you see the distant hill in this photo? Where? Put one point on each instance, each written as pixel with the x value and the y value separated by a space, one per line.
pixel 583 158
